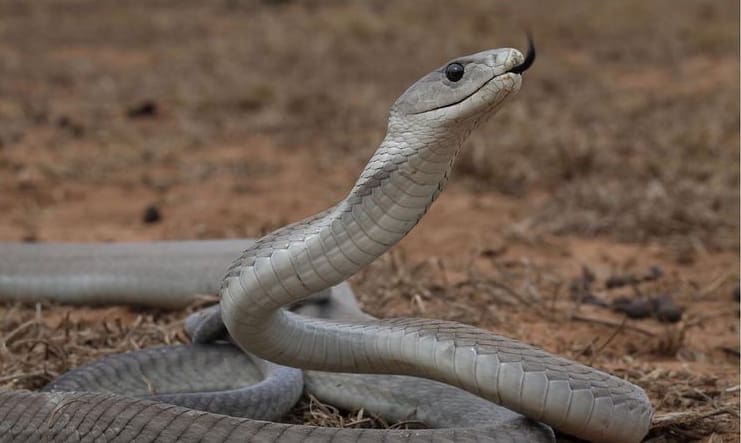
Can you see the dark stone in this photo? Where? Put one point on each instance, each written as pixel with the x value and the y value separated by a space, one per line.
pixel 151 215
pixel 666 310
pixel 147 108
pixel 662 307
pixel 654 273
pixel 76 129
pixel 633 308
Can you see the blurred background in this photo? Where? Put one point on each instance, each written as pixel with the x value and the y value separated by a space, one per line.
pixel 212 119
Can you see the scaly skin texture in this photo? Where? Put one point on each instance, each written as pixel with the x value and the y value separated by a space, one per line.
pixel 216 378
pixel 427 127
pixel 164 274
pixel 86 416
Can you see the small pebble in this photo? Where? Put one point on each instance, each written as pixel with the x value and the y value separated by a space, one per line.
pixel 76 129
pixel 654 273
pixel 147 108
pixel 662 307
pixel 633 308
pixel 30 238
pixel 151 215
pixel 665 309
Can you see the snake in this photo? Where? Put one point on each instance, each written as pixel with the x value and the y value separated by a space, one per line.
pixel 446 371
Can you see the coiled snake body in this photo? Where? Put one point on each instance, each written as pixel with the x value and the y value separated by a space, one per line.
pixel 426 128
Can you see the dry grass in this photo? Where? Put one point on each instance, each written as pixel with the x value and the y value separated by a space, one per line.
pixel 39 343
pixel 312 411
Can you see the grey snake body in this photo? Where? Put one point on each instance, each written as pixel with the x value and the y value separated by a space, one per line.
pixel 427 126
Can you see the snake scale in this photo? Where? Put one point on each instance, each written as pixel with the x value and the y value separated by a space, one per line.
pixel 461 369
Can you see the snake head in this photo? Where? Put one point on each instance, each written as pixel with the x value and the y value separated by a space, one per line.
pixel 465 88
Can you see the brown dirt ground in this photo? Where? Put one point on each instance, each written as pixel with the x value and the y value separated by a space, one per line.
pixel 620 154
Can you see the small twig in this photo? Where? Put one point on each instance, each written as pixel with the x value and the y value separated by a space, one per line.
pixel 687 417
pixel 509 291
pixel 417 300
pixel 589 348
pixel 612 336
pixel 556 294
pixel 402 424
pixel 356 423
pixel 30 341
pixel 12 334
pixel 716 283
pixel 21 376
pixel 599 321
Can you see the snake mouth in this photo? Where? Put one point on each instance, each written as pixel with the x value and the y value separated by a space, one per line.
pixel 529 58
pixel 476 91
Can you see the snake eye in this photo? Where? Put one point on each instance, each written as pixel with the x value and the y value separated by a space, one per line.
pixel 454 72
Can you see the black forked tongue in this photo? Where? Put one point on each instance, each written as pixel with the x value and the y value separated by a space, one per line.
pixel 529 58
